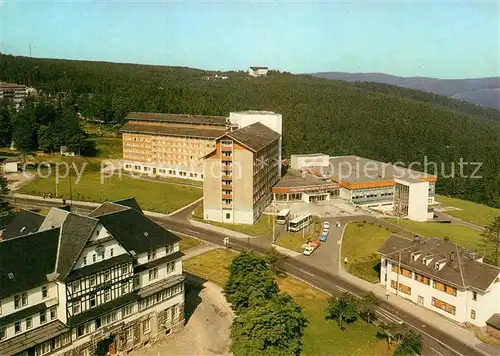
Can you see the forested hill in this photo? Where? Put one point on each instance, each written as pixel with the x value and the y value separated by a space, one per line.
pixel 334 117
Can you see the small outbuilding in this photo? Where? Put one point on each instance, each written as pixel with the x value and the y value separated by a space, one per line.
pixel 9 165
pixel 493 325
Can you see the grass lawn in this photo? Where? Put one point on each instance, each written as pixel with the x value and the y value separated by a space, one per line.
pixel 359 244
pixel 188 242
pixel 109 147
pixel 475 213
pixel 212 265
pixel 321 337
pixel 263 226
pixel 152 196
pixel 294 240
pixel 461 235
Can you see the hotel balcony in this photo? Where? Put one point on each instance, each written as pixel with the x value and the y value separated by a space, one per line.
pixel 226 168
pixel 227 158
pixel 227 205
pixel 226 176
pixel 227 196
pixel 227 186
pixel 225 147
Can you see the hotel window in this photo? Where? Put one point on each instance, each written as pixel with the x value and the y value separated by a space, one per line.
pixel 107 295
pixel 84 261
pixel 29 323
pixel 92 300
pixel 473 314
pixel 127 310
pixel 124 269
pixel 76 286
pixel 45 292
pixel 124 288
pixel 76 307
pixel 53 313
pixel 474 296
pixel 17 327
pixel 92 280
pixel 107 275
pixel 17 301
pixel 153 273
pixel 151 255
pixel 94 257
pixel 146 326
pixel 129 334
pixel 43 317
pixel 111 252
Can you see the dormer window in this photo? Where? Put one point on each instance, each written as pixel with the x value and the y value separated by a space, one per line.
pixel 151 255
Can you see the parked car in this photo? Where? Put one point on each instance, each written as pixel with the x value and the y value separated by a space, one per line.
pixel 326 225
pixel 324 236
pixel 309 249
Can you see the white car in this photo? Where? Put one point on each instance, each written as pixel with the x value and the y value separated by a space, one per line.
pixel 308 250
pixel 326 225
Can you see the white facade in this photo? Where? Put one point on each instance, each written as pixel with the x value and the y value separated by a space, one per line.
pixel 192 172
pixel 415 197
pixel 257 71
pixel 310 160
pixel 466 306
pixel 268 118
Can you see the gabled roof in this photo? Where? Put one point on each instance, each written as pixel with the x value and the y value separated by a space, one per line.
pixel 136 232
pixel 107 208
pixel 26 260
pixel 463 268
pixel 54 218
pixel 255 137
pixel 494 321
pixel 131 203
pixel 76 230
pixel 25 222
pixel 119 205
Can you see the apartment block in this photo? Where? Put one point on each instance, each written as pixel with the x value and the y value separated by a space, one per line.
pixel 13 92
pixel 240 172
pixel 88 285
pixel 442 276
pixel 169 145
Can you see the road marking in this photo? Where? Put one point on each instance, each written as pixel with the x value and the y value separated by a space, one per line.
pixel 436 351
pixel 300 269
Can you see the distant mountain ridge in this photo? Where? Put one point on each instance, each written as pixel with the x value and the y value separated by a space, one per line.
pixel 480 91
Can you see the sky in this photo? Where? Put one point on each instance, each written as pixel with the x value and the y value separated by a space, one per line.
pixel 418 38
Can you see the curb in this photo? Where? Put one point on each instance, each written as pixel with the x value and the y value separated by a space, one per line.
pixel 185 207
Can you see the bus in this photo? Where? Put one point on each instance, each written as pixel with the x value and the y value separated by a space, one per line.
pixel 283 217
pixel 300 222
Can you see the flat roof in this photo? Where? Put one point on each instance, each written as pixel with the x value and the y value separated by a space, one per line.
pixel 173 131
pixel 254 112
pixel 293 181
pixel 310 155
pixel 178 118
pixel 356 169
pixel 11 85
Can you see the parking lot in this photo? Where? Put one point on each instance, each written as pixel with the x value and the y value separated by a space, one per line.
pixel 325 209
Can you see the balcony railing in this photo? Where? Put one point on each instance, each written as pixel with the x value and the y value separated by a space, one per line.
pixel 227 158
pixel 227 176
pixel 227 186
pixel 227 205
pixel 227 168
pixel 227 196
pixel 226 147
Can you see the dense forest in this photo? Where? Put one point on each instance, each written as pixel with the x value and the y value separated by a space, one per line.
pixel 373 120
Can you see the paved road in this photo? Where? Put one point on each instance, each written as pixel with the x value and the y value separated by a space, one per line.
pixel 436 342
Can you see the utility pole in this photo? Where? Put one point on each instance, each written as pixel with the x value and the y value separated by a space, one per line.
pixel 70 191
pixel 274 221
pixel 30 49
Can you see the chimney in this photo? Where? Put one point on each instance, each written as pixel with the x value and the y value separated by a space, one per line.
pixel 452 256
